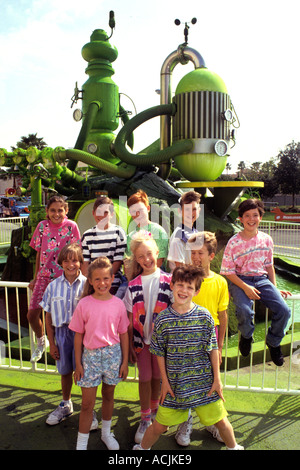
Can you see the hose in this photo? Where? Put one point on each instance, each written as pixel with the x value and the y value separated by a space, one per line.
pixel 154 158
pixel 107 167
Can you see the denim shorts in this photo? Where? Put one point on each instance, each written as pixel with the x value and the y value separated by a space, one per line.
pixel 102 364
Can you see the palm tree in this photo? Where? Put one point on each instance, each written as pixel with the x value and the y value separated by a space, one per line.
pixel 30 141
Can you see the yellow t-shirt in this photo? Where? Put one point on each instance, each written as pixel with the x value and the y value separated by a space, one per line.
pixel 213 295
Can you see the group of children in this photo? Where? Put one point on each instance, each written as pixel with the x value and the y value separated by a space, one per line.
pixel 172 324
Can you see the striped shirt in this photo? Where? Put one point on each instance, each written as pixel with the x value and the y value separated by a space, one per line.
pixel 110 243
pixel 60 299
pixel 185 341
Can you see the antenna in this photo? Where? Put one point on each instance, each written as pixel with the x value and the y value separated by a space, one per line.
pixel 186 27
pixel 111 23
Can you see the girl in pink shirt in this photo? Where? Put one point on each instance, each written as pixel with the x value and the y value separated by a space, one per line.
pixel 100 323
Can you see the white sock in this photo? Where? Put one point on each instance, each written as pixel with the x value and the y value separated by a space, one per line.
pixel 41 341
pixel 82 441
pixel 105 428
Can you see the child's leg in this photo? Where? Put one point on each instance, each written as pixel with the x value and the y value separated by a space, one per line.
pixel 66 385
pixel 34 319
pixel 226 432
pixel 243 310
pixel 107 401
pixel 271 298
pixel 87 406
pixel 152 434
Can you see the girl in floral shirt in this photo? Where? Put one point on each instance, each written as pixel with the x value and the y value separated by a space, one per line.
pixel 49 237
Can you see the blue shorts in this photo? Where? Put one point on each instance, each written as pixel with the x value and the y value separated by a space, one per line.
pixel 64 338
pixel 102 364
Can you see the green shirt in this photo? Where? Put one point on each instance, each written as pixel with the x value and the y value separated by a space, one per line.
pixel 158 233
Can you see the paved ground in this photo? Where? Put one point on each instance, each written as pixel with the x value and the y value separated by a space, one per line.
pixel 261 421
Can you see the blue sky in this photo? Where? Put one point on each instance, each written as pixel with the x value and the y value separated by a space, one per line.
pixel 253 46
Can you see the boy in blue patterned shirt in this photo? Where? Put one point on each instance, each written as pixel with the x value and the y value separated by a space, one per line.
pixel 59 301
pixel 184 341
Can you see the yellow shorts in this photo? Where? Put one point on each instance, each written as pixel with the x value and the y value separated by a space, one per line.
pixel 208 414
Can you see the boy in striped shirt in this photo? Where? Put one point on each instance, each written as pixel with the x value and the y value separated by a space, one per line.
pixel 59 301
pixel 184 341
pixel 105 239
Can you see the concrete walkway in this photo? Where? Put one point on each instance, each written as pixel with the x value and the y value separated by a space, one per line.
pixel 261 421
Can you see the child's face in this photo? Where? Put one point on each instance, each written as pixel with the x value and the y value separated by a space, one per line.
pixel 251 220
pixel 190 213
pixel 201 258
pixel 102 215
pixel 146 257
pixel 183 293
pixel 56 212
pixel 139 213
pixel 71 267
pixel 101 280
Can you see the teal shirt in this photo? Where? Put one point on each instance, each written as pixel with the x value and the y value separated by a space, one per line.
pixel 158 233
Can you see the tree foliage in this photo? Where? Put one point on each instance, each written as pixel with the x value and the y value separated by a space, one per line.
pixel 287 171
pixel 30 141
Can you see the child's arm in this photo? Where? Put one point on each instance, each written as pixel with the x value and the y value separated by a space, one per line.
pixel 165 386
pixel 222 331
pixel 272 278
pixel 37 267
pixel 132 355
pixel 217 384
pixel 125 350
pixel 54 351
pixel 116 266
pixel 250 291
pixel 78 345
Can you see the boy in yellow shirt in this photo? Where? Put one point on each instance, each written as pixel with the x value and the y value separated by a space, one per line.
pixel 214 296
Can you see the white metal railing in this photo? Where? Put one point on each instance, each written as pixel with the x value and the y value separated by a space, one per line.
pixel 7 225
pixel 286 237
pixel 238 373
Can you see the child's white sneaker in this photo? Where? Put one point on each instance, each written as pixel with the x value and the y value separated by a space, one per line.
pixel 184 431
pixel 63 411
pixel 236 447
pixel 110 441
pixel 143 426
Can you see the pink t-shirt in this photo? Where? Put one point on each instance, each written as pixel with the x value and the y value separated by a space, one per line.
pixel 101 321
pixel 248 257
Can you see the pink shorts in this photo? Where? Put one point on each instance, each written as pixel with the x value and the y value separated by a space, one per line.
pixel 147 365
pixel 38 292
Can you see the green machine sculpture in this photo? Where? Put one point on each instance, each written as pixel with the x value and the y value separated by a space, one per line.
pixel 197 128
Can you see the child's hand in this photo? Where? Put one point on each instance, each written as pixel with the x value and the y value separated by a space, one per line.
pixel 217 387
pixel 165 389
pixel 251 292
pixel 285 293
pixel 123 371
pixel 32 284
pixel 78 374
pixel 54 352
pixel 132 356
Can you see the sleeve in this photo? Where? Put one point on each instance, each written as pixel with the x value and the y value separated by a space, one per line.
pixel 128 300
pixel 36 239
pixel 211 336
pixel 77 321
pixel 162 242
pixel 228 264
pixel 270 248
pixel 157 345
pixel 121 245
pixel 46 300
pixel 75 237
pixel 85 248
pixel 177 251
pixel 124 321
pixel 224 295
